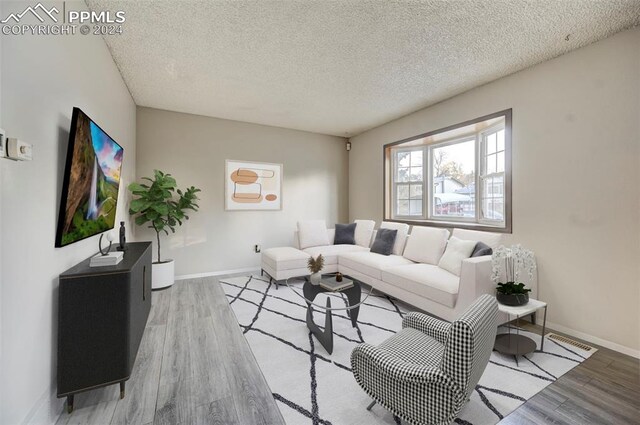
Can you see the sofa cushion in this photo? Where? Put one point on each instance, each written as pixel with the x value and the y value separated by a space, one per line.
pixel 383 244
pixel 364 231
pixel 401 237
pixel 285 258
pixel 492 239
pixel 481 249
pixel 345 234
pixel 426 244
pixel 370 263
pixel 312 233
pixel 456 251
pixel 331 252
pixel 425 280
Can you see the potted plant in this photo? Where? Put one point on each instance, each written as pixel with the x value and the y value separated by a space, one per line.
pixel 512 293
pixel 162 206
pixel 315 266
pixel 507 266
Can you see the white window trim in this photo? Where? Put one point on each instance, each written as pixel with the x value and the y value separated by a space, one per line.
pixel 395 183
pixel 481 176
pixel 430 215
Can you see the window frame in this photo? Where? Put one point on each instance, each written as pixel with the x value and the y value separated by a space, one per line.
pixel 395 184
pixel 429 148
pixel 482 173
pixel 427 218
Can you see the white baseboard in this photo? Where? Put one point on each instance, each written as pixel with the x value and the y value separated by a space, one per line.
pixel 218 273
pixel 47 409
pixel 595 340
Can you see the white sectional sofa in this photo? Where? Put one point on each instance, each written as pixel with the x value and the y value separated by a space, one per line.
pixel 411 273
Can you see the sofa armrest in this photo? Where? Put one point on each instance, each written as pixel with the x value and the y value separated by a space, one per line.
pixel 435 328
pixel 366 358
pixel 475 280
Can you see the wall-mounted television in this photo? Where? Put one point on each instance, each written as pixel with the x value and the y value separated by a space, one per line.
pixel 91 182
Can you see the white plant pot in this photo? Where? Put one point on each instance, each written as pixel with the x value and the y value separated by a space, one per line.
pixel 163 274
pixel 315 278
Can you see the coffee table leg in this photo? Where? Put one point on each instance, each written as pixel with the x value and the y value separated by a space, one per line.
pixel 324 337
pixel 354 298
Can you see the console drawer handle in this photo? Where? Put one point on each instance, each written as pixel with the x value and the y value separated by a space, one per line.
pixel 144 279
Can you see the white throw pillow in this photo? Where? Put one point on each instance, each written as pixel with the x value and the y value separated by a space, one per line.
pixel 426 244
pixel 312 233
pixel 364 230
pixel 457 250
pixel 401 236
pixel 492 239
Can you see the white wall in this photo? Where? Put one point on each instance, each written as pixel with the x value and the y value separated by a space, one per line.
pixel 1 256
pixel 42 79
pixel 576 179
pixel 194 149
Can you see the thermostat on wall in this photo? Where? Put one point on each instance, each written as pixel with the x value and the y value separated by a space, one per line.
pixel 18 150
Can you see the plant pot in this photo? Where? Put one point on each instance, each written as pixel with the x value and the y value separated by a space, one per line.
pixel 315 278
pixel 163 274
pixel 512 299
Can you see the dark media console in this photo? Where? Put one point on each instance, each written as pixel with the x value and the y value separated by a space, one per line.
pixel 102 313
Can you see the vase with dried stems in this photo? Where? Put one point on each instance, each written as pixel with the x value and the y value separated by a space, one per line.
pixel 315 266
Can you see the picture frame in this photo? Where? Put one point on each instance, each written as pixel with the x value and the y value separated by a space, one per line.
pixel 252 186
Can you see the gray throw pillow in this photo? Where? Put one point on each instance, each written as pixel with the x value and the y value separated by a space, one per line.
pixel 481 249
pixel 345 234
pixel 385 238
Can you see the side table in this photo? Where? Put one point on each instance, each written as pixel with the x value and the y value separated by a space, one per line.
pixel 513 343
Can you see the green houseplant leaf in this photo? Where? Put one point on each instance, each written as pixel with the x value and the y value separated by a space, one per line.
pixel 161 204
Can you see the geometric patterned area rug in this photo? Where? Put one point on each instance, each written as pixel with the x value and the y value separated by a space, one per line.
pixel 314 387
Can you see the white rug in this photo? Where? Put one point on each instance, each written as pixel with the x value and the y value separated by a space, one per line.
pixel 313 387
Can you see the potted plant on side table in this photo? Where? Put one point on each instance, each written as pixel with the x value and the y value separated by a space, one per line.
pixel 163 207
pixel 507 266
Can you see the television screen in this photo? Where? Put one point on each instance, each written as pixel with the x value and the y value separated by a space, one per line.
pixel 91 182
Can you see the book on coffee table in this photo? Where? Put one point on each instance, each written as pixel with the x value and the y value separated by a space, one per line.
pixel 329 283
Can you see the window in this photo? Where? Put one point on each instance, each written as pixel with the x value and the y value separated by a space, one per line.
pixel 408 182
pixel 456 177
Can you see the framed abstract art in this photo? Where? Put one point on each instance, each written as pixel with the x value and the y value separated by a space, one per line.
pixel 252 186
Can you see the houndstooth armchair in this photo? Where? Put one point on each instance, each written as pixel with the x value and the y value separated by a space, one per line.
pixel 425 373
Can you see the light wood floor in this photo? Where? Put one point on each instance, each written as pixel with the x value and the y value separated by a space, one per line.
pixel 195 367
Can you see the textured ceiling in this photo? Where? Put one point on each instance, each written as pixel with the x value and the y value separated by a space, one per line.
pixel 340 67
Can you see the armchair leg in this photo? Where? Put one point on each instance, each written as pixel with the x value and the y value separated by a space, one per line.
pixel 373 403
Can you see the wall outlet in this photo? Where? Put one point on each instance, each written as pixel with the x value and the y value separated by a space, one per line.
pixel 257 248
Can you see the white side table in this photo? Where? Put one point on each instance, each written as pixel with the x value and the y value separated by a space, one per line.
pixel 516 344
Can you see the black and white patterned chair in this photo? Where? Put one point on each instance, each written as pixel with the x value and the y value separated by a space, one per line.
pixel 425 373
